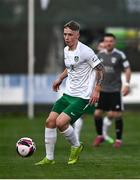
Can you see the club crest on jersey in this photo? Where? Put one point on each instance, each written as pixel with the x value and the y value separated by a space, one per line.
pixel 113 60
pixel 76 58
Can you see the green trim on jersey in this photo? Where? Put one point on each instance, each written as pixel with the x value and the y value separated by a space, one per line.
pixel 74 107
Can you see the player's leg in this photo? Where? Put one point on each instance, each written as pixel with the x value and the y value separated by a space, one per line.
pixel 66 129
pixel 74 111
pixel 119 129
pixel 106 124
pixel 68 132
pixel 50 139
pixel 102 106
pixel 51 132
pixel 107 121
pixel 77 127
pixel 117 107
pixel 98 125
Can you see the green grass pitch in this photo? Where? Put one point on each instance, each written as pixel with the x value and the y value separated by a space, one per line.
pixel 103 162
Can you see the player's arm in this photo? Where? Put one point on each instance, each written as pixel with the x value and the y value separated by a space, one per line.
pixel 126 87
pixel 57 82
pixel 99 78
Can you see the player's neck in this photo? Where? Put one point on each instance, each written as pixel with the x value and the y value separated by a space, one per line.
pixel 110 51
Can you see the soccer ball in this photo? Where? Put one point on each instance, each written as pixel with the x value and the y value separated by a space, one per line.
pixel 25 147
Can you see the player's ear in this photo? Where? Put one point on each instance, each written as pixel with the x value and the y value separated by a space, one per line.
pixel 78 35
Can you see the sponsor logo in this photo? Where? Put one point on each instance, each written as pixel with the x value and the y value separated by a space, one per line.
pixel 72 114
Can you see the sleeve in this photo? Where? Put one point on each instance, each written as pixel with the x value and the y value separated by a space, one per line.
pixel 92 59
pixel 125 62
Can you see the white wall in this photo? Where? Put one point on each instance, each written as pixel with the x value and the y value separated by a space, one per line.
pixel 13 89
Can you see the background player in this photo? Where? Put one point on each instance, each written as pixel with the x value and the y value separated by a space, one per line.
pixel 110 99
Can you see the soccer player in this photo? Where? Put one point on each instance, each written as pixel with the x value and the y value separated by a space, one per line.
pixel 110 100
pixel 81 67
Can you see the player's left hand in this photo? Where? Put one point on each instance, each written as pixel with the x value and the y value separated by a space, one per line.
pixel 125 90
pixel 94 97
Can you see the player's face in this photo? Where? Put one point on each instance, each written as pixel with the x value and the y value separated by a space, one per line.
pixel 109 43
pixel 71 37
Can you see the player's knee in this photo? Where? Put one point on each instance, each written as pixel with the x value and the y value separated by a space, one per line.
pixel 50 123
pixel 97 114
pixel 60 124
pixel 110 115
pixel 117 115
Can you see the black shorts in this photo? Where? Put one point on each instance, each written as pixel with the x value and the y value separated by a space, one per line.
pixel 110 101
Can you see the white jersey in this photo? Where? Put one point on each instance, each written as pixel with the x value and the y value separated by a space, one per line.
pixel 80 65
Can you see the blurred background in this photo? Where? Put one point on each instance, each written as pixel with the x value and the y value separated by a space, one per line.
pixel 31 45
